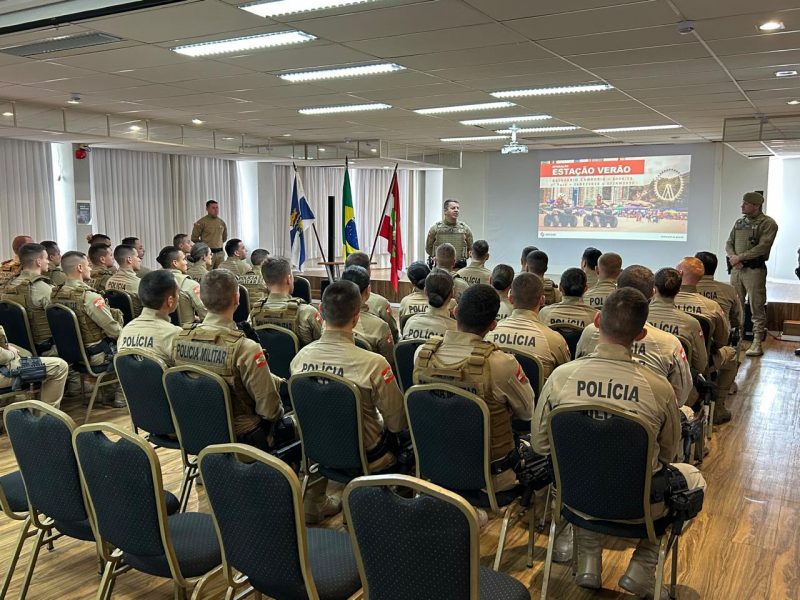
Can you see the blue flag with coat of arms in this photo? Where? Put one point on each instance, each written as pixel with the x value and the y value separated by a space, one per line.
pixel 300 218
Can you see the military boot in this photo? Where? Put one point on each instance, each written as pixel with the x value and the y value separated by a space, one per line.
pixel 721 414
pixel 589 572
pixel 639 578
pixel 755 348
pixel 317 505
pixel 562 547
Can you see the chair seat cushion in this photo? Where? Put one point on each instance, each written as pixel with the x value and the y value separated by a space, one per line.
pixel 616 529
pixel 481 499
pixel 195 543
pixel 163 441
pixel 333 564
pixel 172 502
pixel 499 586
pixel 80 530
pixel 14 489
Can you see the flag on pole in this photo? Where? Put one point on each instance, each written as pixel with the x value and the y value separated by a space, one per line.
pixel 390 230
pixel 349 233
pixel 300 218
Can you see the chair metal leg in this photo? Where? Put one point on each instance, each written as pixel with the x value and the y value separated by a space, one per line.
pixel 710 426
pixel 548 561
pixel 37 546
pixel 178 591
pixel 674 579
pixel 304 486
pixel 24 533
pixel 662 557
pixel 91 401
pixel 531 535
pixel 106 582
pixel 501 543
pixel 186 488
pixel 547 506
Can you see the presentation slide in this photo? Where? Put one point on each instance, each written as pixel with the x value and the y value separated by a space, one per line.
pixel 631 198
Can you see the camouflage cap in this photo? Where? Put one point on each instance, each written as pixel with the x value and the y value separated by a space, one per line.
pixel 753 198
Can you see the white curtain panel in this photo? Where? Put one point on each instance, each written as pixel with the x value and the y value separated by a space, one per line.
pixel 27 196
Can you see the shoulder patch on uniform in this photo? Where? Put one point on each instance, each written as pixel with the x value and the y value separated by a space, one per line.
pixel 521 377
pixel 196 290
pixel 388 375
pixel 683 355
pixel 99 302
pixel 260 359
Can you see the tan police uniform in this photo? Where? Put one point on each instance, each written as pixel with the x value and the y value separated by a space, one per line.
pixel 100 275
pixel 55 275
pixel 479 367
pixel 214 232
pixel 190 306
pixel 32 290
pixel 96 320
pixel 659 350
pixel 290 313
pixel 458 234
pixel 596 295
pixel 506 308
pixel 235 265
pixel 459 286
pixel 9 270
pixel 751 239
pixel 571 310
pixel 475 272
pixel 523 331
pixel 667 317
pixel 218 346
pixel 380 307
pixel 150 333
pixel 413 304
pixel 591 278
pixel 376 333
pixel 142 271
pixel 52 387
pixel 126 280
pixel 725 295
pixel 551 293
pixel 254 283
pixel 434 321
pixel 196 271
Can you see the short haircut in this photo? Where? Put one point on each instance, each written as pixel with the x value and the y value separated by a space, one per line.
pixel 29 253
pixel 438 287
pixel 537 262
pixel 167 255
pixel 591 255
pixel 70 260
pixel 501 278
pixel 122 252
pixel 177 240
pixel 526 291
pixel 709 260
pixel 156 287
pixel 573 282
pixel 477 308
pixel 100 238
pixel 357 259
pixel 98 251
pixel 51 247
pixel 691 267
pixel 210 202
pixel 358 275
pixel 19 241
pixel 341 301
pixel 624 315
pixel 218 288
pixel 258 256
pixel 198 252
pixel 480 249
pixel 417 272
pixel 232 245
pixel 129 241
pixel 450 201
pixel 446 255
pixel 639 278
pixel 275 269
pixel 668 282
pixel 610 264
pixel 525 251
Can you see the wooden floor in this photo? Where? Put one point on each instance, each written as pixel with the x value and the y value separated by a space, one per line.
pixel 744 545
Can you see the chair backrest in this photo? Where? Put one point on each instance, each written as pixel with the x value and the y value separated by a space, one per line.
pixel 328 413
pixel 425 546
pixel 41 437
pixel 302 288
pixel 404 319
pixel 175 318
pixel 201 408
pixel 122 301
pixel 450 431
pixel 281 345
pixel 359 341
pixel 571 334
pixel 243 310
pixel 142 379
pixel 404 361
pixel 602 460
pixel 14 320
pixel 66 334
pixel 255 501
pixel 532 366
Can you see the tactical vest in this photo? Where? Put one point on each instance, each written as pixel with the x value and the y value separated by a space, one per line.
pixel 73 298
pixel 255 286
pixel 286 316
pixel 8 271
pixel 456 235
pixel 21 294
pixel 472 374
pixel 99 277
pixel 196 272
pixel 745 235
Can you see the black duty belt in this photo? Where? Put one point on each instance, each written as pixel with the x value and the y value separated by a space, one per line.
pixel 379 449
pixel 215 250
pixel 502 464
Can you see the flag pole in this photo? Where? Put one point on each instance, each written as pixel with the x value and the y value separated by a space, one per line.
pixel 313 225
pixel 383 212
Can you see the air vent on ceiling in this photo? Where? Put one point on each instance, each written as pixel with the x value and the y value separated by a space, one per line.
pixel 59 44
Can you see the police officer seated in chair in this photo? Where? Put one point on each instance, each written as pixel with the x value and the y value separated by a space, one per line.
pixel 126 279
pixel 611 377
pixel 383 413
pixel 536 262
pixel 476 271
pixel 436 320
pixel 572 309
pixel 218 346
pixel 370 329
pixel 190 308
pixel 18 369
pixel 377 304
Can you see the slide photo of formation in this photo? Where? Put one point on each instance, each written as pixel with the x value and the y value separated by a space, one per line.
pixel 632 198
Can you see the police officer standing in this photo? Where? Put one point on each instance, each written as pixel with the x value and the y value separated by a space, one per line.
pixel 452 231
pixel 212 230
pixel 748 250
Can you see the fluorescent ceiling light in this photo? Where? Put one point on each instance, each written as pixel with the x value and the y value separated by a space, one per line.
pixel 541 129
pixel 135 128
pixel 771 26
pixel 273 8
pixel 554 91
pixel 329 110
pixel 462 108
pixel 793 102
pixel 243 44
pixel 341 72
pixel 197 121
pixel 501 120
pixel 475 138
pixel 8 114
pixel 787 73
pixel 638 128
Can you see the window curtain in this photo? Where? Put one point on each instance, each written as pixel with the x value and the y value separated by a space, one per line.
pixel 26 192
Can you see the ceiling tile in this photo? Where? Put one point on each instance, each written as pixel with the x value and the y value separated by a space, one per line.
pixel 185 72
pixel 135 57
pixel 706 9
pixel 648 37
pixel 640 56
pixel 503 10
pixel 315 54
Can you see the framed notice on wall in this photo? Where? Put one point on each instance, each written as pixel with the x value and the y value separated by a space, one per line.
pixel 83 211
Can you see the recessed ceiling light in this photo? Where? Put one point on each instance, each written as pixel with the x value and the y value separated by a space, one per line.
pixel 501 120
pixel 321 149
pixel 373 149
pixel 540 129
pixel 242 44
pixel 8 114
pixel 341 72
pixel 74 99
pixel 273 8
pixel 462 108
pixel 793 102
pixel 197 121
pixel 771 26
pixel 286 135
pixel 329 110
pixel 227 139
pixel 554 91
pixel 637 128
pixel 135 128
pixel 475 138
pixel 786 73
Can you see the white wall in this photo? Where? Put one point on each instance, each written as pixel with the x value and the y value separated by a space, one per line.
pixel 468 185
pixel 784 180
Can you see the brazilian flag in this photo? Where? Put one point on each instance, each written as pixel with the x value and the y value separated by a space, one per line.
pixel 349 233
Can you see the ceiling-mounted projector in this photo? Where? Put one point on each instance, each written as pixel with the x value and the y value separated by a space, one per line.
pixel 514 147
